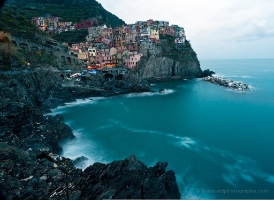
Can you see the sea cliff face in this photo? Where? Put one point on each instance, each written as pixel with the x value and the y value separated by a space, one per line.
pixel 163 67
pixel 169 61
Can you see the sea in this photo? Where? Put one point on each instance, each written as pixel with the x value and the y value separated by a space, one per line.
pixel 218 141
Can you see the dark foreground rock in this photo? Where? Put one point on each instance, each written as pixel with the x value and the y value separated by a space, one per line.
pixel 42 175
pixel 31 167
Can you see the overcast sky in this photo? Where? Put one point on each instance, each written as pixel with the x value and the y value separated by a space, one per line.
pixel 216 28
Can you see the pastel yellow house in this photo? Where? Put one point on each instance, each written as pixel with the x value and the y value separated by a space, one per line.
pixel 82 55
pixel 154 32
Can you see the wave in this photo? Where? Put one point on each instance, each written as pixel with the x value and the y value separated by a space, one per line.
pixel 218 75
pixel 144 94
pixel 83 147
pixel 235 168
pixel 147 94
pixel 77 102
pixel 246 76
pixel 232 76
pixel 83 102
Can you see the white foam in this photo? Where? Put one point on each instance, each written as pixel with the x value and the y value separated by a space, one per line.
pixel 218 75
pixel 232 76
pixel 77 102
pixel 246 76
pixel 247 178
pixel 106 126
pixel 188 143
pixel 195 191
pixel 83 102
pixel 117 123
pixel 166 91
pixel 147 94
pixel 83 147
pixel 144 94
pixel 236 167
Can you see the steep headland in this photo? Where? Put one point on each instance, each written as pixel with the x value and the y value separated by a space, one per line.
pixel 168 60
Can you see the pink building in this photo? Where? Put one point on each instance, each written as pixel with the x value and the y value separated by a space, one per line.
pixel 103 56
pixel 75 47
pixel 85 24
pixel 132 59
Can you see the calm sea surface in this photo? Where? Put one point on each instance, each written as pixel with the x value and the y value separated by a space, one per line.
pixel 218 141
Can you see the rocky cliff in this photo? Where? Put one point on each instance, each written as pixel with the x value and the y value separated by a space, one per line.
pixel 30 143
pixel 171 61
pixel 163 67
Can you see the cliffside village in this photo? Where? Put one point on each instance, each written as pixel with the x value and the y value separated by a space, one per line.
pixel 121 46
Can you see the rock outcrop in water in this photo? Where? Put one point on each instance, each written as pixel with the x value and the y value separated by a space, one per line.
pixel 237 85
pixel 30 143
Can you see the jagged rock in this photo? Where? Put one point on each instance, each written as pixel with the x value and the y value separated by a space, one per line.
pixel 130 179
pixel 127 178
pixel 207 72
pixel 80 161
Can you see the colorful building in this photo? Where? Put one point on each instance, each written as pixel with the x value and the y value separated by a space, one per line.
pixel 103 56
pixel 132 59
pixel 85 24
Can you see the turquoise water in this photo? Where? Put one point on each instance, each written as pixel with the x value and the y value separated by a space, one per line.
pixel 218 141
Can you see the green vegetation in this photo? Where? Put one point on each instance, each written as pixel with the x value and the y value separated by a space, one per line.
pixel 71 36
pixel 67 10
pixel 178 53
pixel 33 58
pixel 10 56
pixel 17 25
pixel 20 12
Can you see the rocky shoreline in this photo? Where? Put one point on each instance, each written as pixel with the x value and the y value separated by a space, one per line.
pixel 236 85
pixel 31 167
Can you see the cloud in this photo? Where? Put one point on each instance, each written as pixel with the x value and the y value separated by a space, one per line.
pixel 255 30
pixel 210 25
